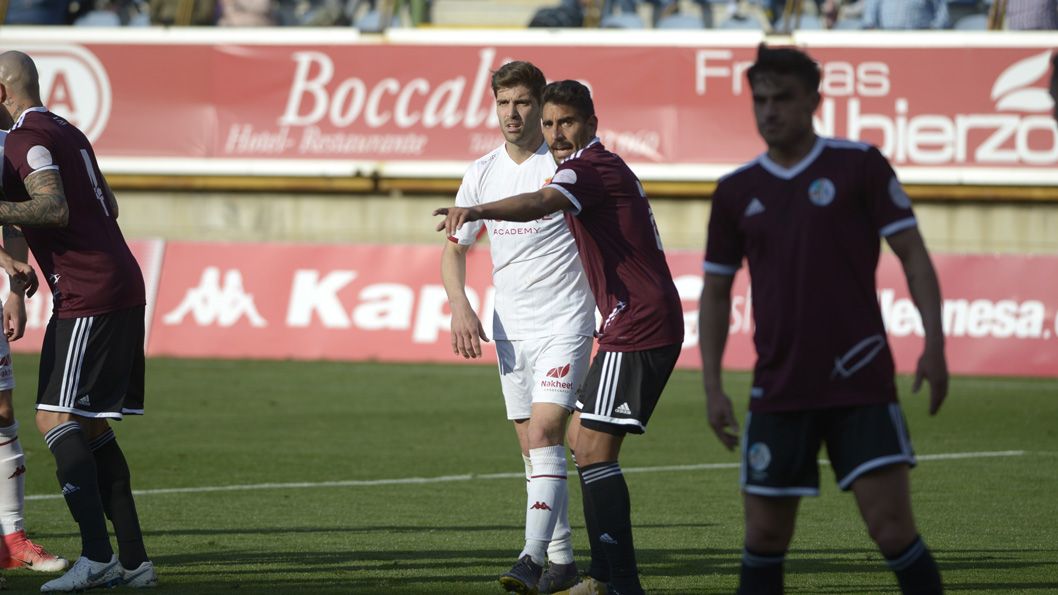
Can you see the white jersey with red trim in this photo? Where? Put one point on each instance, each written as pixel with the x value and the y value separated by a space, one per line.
pixel 541 289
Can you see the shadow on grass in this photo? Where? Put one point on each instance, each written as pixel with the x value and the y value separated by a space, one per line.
pixel 431 569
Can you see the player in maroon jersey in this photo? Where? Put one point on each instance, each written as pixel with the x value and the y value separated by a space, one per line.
pixel 92 360
pixel 807 215
pixel 642 330
pixel 1053 89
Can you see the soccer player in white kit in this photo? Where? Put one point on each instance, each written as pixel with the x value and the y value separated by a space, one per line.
pixel 16 549
pixel 543 321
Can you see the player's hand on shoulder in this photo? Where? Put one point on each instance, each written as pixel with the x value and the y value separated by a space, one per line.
pixel 722 419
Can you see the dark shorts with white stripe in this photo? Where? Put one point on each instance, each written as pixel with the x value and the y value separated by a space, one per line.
pixel 623 387
pixel 93 366
pixel 780 450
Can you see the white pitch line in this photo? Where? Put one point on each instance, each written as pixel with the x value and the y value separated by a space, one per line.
pixel 355 483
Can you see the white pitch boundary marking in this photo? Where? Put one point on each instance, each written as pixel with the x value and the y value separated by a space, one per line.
pixel 356 483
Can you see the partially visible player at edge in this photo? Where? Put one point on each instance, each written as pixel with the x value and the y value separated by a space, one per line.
pixel 543 321
pixel 808 215
pixel 16 550
pixel 92 360
pixel 642 330
pixel 1053 89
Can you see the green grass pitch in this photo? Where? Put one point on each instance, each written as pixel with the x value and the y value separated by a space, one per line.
pixel 281 477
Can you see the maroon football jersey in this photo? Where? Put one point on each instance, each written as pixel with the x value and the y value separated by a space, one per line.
pixel 621 251
pixel 87 264
pixel 811 235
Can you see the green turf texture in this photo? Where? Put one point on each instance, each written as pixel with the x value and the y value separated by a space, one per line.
pixel 992 523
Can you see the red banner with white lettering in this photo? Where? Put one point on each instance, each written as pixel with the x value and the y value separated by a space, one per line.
pixel 676 106
pixel 386 303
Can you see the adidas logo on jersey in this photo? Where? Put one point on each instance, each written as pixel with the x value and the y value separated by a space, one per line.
pixel 623 409
pixel 755 208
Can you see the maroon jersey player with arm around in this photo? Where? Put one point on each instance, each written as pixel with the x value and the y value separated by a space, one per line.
pixel 642 329
pixel 92 361
pixel 807 215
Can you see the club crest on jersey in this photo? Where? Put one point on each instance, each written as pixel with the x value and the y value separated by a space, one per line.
pixel 821 192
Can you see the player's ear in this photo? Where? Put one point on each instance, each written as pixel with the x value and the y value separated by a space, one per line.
pixel 593 123
pixel 815 98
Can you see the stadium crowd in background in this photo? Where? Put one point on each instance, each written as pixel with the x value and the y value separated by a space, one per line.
pixel 378 15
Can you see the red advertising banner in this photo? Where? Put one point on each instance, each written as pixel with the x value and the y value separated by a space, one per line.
pixel 345 302
pixel 419 103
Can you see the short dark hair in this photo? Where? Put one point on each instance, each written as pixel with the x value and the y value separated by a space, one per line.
pixel 519 73
pixel 785 61
pixel 571 93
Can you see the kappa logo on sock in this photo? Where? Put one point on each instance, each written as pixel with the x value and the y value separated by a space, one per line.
pixel 623 409
pixel 19 471
pixel 605 538
pixel 69 488
pixel 540 506
pixel 83 401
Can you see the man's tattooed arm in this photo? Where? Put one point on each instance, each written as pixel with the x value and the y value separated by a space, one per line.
pixel 46 206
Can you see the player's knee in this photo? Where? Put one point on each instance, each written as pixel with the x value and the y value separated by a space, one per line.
pixel 7 409
pixel 891 534
pixel 545 434
pixel 46 420
pixel 768 537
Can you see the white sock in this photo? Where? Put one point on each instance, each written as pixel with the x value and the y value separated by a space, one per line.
pixel 547 486
pixel 528 470
pixel 560 550
pixel 12 480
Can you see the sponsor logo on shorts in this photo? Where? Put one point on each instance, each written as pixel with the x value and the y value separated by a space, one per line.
pixel 556 373
pixel 559 372
pixel 69 488
pixel 623 409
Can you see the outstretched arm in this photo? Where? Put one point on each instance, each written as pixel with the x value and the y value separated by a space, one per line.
pixel 521 207
pixel 925 291
pixel 714 313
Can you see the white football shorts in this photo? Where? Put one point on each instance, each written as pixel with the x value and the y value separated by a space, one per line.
pixel 545 370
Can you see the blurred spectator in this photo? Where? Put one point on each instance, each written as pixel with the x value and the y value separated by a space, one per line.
pixel 37 12
pixel 568 14
pixel 247 13
pixel 115 13
pixel 183 12
pixel 906 14
pixel 1032 14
